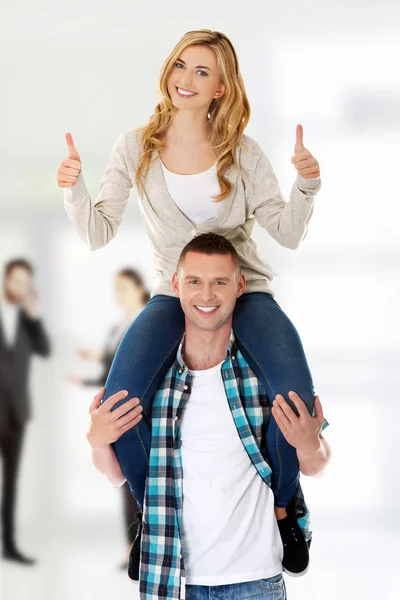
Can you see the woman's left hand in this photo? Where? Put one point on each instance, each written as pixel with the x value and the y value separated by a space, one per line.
pixel 306 165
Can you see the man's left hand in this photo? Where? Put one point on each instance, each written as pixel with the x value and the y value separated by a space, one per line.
pixel 301 431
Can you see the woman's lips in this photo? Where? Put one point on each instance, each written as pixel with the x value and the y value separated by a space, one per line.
pixel 188 95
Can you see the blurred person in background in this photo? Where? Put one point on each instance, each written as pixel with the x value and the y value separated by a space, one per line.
pixel 195 171
pixel 21 334
pixel 131 295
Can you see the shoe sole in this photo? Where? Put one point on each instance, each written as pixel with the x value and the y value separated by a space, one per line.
pixel 296 574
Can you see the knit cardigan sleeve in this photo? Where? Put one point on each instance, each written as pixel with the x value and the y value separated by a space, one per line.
pixel 97 223
pixel 286 221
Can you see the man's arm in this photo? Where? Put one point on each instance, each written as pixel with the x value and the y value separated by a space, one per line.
pixel 106 426
pixel 105 461
pixel 39 338
pixel 304 433
pixel 34 326
pixel 313 463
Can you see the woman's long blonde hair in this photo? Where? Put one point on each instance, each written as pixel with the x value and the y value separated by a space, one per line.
pixel 228 115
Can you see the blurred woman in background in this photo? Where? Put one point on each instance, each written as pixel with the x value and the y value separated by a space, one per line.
pixel 131 295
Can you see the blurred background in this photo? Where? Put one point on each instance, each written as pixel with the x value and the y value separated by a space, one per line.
pixel 91 68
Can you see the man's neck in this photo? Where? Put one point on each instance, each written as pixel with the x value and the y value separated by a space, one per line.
pixel 205 349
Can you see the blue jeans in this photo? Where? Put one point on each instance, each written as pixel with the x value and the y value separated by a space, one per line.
pixel 272 588
pixel 270 344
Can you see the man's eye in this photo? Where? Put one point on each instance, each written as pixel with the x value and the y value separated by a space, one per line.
pixel 194 281
pixel 220 282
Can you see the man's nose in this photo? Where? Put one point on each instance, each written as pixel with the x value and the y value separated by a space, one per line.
pixel 208 293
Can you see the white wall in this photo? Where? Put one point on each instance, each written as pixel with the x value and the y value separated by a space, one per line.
pixel 91 68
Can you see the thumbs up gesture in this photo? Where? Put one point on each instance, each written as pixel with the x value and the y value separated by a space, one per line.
pixel 70 167
pixel 306 165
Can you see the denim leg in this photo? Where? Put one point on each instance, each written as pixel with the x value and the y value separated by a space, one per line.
pixel 271 588
pixel 272 347
pixel 197 592
pixel 141 362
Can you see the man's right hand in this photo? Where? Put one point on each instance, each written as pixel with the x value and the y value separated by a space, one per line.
pixel 70 167
pixel 107 425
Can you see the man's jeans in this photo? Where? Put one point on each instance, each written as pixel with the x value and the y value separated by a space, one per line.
pixel 272 588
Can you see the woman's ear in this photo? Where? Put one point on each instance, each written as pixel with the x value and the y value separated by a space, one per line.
pixel 221 91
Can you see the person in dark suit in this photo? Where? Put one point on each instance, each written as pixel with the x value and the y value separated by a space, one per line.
pixel 21 335
pixel 131 295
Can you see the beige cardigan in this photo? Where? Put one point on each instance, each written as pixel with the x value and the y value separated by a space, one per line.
pixel 168 228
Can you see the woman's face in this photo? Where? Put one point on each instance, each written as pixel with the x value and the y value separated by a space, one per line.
pixel 194 80
pixel 127 294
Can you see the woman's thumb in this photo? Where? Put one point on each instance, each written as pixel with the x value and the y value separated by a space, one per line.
pixel 73 152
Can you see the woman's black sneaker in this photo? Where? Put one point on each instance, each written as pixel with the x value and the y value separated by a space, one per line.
pixel 295 548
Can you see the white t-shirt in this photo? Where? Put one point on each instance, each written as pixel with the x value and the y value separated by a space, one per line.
pixel 192 193
pixel 229 530
pixel 9 320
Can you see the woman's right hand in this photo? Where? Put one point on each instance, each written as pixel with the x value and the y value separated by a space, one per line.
pixel 107 425
pixel 70 167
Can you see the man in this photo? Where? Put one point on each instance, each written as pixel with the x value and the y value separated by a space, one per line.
pixel 207 420
pixel 21 335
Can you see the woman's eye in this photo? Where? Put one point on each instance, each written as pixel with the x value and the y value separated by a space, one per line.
pixel 203 73
pixel 178 64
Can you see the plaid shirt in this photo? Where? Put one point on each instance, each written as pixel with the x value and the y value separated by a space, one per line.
pixel 162 569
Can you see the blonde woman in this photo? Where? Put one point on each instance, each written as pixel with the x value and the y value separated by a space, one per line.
pixel 196 171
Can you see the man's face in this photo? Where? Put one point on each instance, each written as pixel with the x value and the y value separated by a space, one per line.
pixel 17 285
pixel 207 286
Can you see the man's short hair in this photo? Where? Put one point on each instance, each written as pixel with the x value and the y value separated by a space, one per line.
pixel 17 263
pixel 210 243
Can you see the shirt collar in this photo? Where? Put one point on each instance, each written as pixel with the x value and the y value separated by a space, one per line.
pixel 231 350
pixel 7 305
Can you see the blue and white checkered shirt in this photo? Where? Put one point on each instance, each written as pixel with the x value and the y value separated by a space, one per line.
pixel 162 569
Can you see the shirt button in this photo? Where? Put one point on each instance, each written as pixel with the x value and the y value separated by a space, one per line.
pixel 185 387
pixel 180 371
pixel 194 232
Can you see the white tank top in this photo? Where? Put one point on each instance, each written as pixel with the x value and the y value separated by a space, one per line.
pixel 230 532
pixel 192 193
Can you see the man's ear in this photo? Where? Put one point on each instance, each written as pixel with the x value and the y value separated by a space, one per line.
pixel 175 284
pixel 241 285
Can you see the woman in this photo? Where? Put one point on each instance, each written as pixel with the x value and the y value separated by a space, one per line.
pixel 196 171
pixel 131 295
